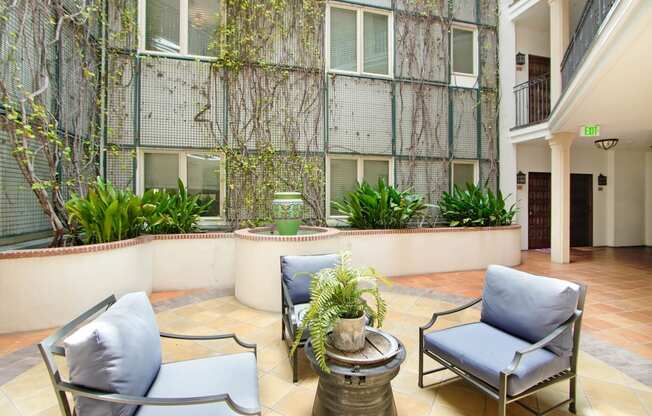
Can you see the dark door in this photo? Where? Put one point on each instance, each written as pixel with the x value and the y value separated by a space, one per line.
pixel 539 90
pixel 581 210
pixel 539 210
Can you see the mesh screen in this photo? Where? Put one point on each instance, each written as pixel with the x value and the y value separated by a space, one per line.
pixel 421 48
pixel 425 177
pixel 423 7
pixel 489 174
pixel 359 116
pixel 123 32
pixel 489 125
pixel 464 10
pixel 120 167
pixel 181 103
pixel 20 212
pixel 488 43
pixel 464 128
pixel 489 12
pixel 120 99
pixel 421 120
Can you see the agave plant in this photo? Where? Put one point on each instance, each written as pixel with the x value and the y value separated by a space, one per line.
pixel 475 206
pixel 338 293
pixel 383 207
pixel 106 213
pixel 173 213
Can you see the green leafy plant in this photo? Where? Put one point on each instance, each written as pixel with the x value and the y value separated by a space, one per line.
pixel 337 293
pixel 475 206
pixel 106 213
pixel 173 212
pixel 382 207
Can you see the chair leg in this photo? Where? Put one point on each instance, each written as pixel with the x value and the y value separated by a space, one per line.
pixel 502 407
pixel 295 366
pixel 283 329
pixel 573 395
pixel 502 395
pixel 420 368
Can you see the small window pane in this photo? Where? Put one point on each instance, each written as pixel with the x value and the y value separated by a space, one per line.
pixel 463 51
pixel 162 26
pixel 344 52
pixel 375 170
pixel 463 173
pixel 204 180
pixel 376 60
pixel 344 179
pixel 202 25
pixel 161 171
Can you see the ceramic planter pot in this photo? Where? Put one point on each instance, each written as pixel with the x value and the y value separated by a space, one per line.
pixel 287 211
pixel 349 334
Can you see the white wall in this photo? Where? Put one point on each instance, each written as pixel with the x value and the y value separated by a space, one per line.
pixel 530 42
pixel 629 198
pixel 648 198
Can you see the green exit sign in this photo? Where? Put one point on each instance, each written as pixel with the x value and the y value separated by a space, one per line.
pixel 590 130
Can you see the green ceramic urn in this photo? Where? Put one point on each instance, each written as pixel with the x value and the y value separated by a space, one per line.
pixel 287 211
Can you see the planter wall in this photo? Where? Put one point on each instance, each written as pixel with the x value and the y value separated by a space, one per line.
pixel 47 287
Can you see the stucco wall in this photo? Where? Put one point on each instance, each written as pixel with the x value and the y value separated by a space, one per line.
pixel 629 198
pixel 648 199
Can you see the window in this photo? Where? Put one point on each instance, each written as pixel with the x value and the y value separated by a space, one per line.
pixel 345 173
pixel 183 27
pixel 464 51
pixel 464 172
pixel 202 174
pixel 359 40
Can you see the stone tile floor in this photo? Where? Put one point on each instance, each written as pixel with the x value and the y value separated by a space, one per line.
pixel 603 390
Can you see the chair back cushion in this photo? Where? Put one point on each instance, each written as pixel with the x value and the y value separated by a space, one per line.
pixel 119 352
pixel 529 306
pixel 297 272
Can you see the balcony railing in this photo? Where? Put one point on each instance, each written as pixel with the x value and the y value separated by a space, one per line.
pixel 532 101
pixel 594 13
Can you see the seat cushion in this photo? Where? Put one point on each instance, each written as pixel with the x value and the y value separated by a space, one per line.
pixel 297 272
pixel 485 351
pixel 529 306
pixel 234 374
pixel 118 352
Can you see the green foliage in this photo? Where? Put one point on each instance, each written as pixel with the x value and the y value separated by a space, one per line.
pixel 173 212
pixel 383 207
pixel 106 213
pixel 475 207
pixel 339 293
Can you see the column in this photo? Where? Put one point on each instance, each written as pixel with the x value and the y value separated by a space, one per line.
pixel 559 38
pixel 560 145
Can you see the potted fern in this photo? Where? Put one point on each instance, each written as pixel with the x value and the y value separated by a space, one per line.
pixel 338 311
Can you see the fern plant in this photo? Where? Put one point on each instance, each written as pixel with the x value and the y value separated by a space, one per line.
pixel 338 293
pixel 475 206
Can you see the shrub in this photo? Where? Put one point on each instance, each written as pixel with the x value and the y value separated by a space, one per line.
pixel 383 207
pixel 475 207
pixel 106 213
pixel 173 212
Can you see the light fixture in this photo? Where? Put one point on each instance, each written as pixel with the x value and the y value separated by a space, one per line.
pixel 606 144
pixel 520 59
pixel 520 178
pixel 602 180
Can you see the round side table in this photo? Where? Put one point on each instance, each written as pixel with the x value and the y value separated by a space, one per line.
pixel 356 389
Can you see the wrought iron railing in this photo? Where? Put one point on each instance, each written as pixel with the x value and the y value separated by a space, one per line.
pixel 532 101
pixel 594 13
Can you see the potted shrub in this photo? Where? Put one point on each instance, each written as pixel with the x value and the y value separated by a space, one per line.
pixel 475 206
pixel 338 311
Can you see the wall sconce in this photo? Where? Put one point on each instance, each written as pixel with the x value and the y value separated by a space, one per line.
pixel 606 144
pixel 520 59
pixel 520 178
pixel 602 180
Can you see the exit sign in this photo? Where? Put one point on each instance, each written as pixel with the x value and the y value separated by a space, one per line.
pixel 590 130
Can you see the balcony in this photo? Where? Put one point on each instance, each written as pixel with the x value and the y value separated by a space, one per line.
pixel 532 101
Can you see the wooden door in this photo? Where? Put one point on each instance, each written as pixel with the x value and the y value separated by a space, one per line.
pixel 581 210
pixel 539 210
pixel 539 90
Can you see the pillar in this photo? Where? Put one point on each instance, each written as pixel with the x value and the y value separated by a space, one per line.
pixel 560 147
pixel 559 39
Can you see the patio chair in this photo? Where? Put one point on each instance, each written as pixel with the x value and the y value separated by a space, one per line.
pixel 527 339
pixel 115 367
pixel 296 272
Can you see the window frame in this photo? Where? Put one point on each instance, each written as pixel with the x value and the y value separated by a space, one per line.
pixel 360 10
pixel 183 33
pixel 476 171
pixel 464 79
pixel 360 176
pixel 183 174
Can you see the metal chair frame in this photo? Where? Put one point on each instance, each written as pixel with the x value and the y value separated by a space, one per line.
pixel 50 347
pixel 289 329
pixel 500 394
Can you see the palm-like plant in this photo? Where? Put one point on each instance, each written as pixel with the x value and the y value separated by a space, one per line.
pixel 173 212
pixel 338 293
pixel 383 207
pixel 475 206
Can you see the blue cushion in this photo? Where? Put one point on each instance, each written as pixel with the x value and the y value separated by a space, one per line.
pixel 119 352
pixel 235 374
pixel 485 351
pixel 297 272
pixel 528 306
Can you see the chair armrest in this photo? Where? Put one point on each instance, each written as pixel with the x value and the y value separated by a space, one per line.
pixel 156 401
pixel 448 312
pixel 209 338
pixel 287 298
pixel 518 355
